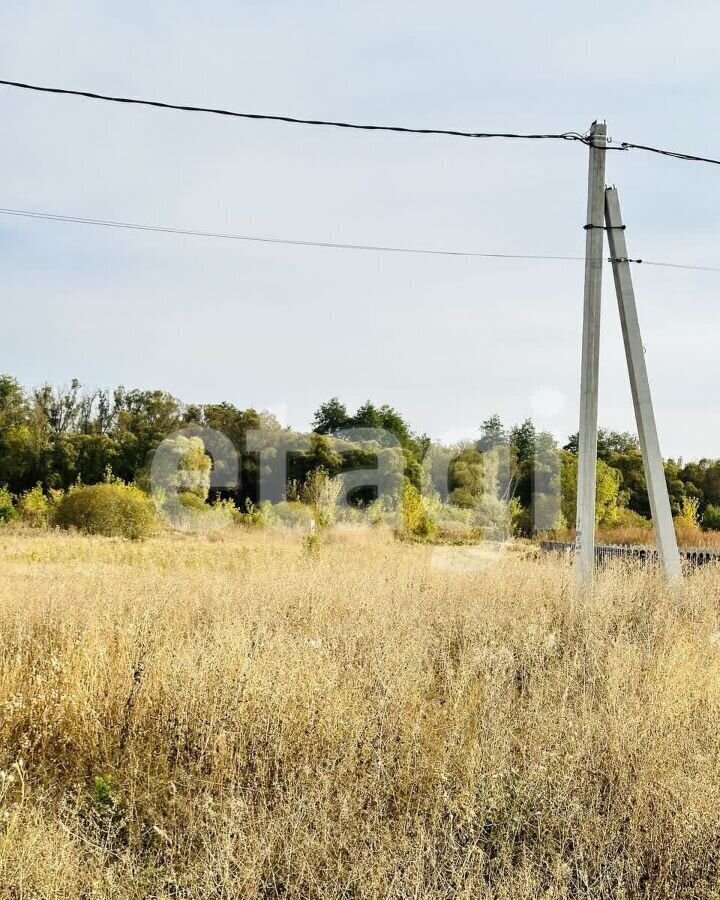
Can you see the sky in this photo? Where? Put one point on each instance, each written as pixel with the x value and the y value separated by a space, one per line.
pixel 447 341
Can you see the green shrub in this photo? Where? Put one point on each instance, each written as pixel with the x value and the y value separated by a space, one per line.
pixel 184 468
pixel 294 514
pixel 416 521
pixel 687 524
pixel 321 492
pixel 312 543
pixel 628 518
pixel 190 500
pixel 34 508
pixel 228 509
pixel 7 510
pixel 260 516
pixel 113 510
pixel 291 514
pixel 376 513
pixel 688 517
pixel 103 793
pixel 711 518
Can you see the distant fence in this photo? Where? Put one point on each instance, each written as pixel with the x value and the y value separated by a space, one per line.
pixel 604 553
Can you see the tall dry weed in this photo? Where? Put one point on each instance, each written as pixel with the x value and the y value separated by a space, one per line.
pixel 234 717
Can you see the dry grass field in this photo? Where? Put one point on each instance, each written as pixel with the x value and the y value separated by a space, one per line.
pixel 246 716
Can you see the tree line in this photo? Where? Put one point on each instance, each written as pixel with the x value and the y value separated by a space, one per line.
pixel 58 437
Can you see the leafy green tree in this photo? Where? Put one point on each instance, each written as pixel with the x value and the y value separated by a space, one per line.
pixel 367 416
pixel 416 522
pixel 677 489
pixel 235 424
pixel 15 436
pixel 609 497
pixel 27 456
pixel 466 479
pixel 57 437
pixel 7 507
pixel 631 468
pixel 324 455
pixel 523 438
pixel 616 442
pixel 492 434
pixel 702 480
pixel 330 417
pixel 144 419
pixel 34 507
pixel 61 407
pixel 13 403
pixel 608 442
pixel 711 518
pixel 186 468
pixel 534 482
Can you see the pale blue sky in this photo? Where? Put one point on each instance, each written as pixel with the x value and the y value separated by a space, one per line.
pixel 447 341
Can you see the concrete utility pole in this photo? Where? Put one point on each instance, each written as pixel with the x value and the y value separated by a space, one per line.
pixel 640 387
pixel 587 435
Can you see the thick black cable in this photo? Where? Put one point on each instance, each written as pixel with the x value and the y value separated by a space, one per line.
pixel 331 245
pixel 91 95
pixel 674 154
pixel 402 129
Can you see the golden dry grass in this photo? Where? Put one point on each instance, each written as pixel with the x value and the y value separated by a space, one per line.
pixel 688 536
pixel 237 717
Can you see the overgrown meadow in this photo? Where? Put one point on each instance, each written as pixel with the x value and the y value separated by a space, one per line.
pixel 249 714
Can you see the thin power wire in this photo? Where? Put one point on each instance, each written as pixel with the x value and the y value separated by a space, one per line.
pixel 91 95
pixel 330 245
pixel 669 265
pixel 293 242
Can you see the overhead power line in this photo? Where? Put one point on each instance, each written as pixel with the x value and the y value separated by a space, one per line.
pixel 670 265
pixel 293 242
pixel 624 145
pixel 402 129
pixel 91 95
pixel 330 245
